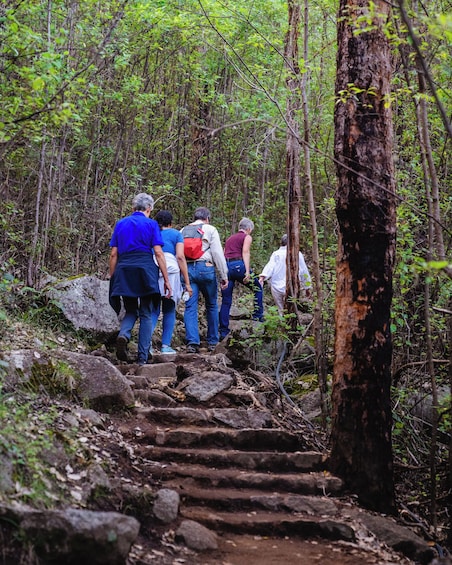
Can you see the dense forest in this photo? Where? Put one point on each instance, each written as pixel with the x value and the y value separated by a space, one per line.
pixel 191 101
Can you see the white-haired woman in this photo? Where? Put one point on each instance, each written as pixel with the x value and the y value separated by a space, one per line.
pixel 238 257
pixel 134 275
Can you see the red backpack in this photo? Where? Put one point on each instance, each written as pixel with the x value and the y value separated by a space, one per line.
pixel 193 241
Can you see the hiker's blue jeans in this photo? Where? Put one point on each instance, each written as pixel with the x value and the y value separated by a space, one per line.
pixel 203 280
pixel 236 273
pixel 138 308
pixel 168 307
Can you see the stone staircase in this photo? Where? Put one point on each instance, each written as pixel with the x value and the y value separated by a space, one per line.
pixel 240 465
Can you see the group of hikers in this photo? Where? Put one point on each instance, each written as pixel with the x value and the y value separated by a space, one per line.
pixel 153 266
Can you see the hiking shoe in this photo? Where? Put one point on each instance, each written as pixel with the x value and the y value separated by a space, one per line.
pixel 192 348
pixel 167 350
pixel 211 347
pixel 121 348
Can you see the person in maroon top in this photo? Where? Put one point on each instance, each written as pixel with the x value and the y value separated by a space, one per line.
pixel 237 253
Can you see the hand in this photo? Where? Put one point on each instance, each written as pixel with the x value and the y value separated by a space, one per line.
pixel 246 278
pixel 224 284
pixel 168 290
pixel 189 289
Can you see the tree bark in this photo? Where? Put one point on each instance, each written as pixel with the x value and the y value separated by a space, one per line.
pixel 320 353
pixel 293 162
pixel 365 205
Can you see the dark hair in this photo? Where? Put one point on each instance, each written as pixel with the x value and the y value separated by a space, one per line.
pixel 202 214
pixel 284 240
pixel 164 218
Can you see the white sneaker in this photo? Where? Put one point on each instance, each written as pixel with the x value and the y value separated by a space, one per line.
pixel 167 350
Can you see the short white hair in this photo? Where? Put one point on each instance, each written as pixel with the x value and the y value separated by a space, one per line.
pixel 143 201
pixel 246 224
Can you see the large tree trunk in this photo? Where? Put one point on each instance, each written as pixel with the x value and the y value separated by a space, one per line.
pixel 361 426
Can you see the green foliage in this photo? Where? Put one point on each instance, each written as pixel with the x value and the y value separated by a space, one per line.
pixel 53 380
pixel 26 435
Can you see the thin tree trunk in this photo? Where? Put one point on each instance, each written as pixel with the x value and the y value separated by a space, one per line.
pixel 36 254
pixel 449 501
pixel 318 309
pixel 430 176
pixel 293 162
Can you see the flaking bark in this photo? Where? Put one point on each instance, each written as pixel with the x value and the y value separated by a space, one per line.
pixel 361 418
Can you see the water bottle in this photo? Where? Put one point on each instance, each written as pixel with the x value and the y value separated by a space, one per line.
pixel 185 296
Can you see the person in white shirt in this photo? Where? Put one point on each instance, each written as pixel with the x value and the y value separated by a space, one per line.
pixel 275 272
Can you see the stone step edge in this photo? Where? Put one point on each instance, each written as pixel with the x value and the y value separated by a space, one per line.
pixel 260 438
pixel 271 524
pixel 253 499
pixel 245 459
pixel 244 417
pixel 302 483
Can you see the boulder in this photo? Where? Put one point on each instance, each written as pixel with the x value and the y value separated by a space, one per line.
pixel 92 380
pixel 84 302
pixel 74 536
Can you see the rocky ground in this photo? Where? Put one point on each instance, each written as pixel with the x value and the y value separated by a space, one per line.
pixel 250 474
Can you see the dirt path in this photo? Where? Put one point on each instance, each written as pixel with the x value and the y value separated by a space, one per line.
pixel 254 550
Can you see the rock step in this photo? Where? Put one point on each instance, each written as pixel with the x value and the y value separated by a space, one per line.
pixel 252 460
pixel 252 439
pixel 176 476
pixel 253 499
pixel 237 418
pixel 270 524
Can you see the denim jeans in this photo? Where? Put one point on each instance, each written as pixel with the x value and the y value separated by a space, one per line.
pixel 138 308
pixel 168 319
pixel 236 273
pixel 203 279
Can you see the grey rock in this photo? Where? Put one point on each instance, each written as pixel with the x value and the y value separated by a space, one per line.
pixel 166 505
pixel 76 536
pixel 310 404
pixel 158 371
pixel 90 416
pixel 197 537
pixel 158 398
pixel 239 418
pixel 313 505
pixel 92 380
pixel 396 536
pixel 6 474
pixel 207 385
pixel 84 302
pixel 98 478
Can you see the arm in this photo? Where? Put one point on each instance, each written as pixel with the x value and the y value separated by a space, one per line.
pixel 113 260
pixel 267 271
pixel 182 262
pixel 161 261
pixel 246 254
pixel 218 259
pixel 305 277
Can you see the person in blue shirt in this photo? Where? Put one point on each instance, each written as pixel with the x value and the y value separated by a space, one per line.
pixel 173 248
pixel 134 274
